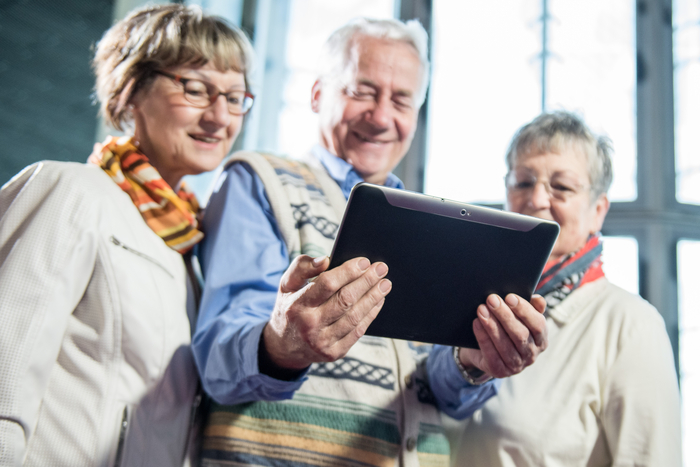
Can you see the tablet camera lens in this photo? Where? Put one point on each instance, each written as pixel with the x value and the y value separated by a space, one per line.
pixel 463 212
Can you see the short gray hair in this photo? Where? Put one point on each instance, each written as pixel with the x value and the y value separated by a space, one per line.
pixel 549 132
pixel 337 51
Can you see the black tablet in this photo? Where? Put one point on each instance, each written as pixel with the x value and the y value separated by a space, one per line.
pixel 444 258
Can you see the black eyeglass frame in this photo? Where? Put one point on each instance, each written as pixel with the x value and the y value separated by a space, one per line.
pixel 212 97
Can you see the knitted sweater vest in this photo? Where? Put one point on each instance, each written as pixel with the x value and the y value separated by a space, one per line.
pixel 371 408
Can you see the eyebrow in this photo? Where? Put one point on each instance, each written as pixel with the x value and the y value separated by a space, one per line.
pixel 206 78
pixel 558 173
pixel 400 92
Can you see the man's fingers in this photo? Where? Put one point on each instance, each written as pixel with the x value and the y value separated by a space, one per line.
pixel 530 316
pixel 355 299
pixel 330 282
pixel 302 269
pixel 358 331
pixel 508 334
pixel 487 357
pixel 356 316
pixel 539 303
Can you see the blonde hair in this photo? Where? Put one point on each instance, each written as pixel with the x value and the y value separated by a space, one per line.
pixel 159 37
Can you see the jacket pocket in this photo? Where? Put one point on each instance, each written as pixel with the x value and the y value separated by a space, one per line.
pixel 123 246
pixel 121 440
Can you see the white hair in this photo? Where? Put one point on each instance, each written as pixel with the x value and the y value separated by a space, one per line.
pixel 337 51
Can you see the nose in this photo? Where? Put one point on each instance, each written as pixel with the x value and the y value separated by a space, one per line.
pixel 217 114
pixel 380 114
pixel 540 197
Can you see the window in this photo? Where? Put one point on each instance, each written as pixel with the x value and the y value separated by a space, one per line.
pixel 621 262
pixel 591 71
pixel 577 56
pixel 686 58
pixel 480 95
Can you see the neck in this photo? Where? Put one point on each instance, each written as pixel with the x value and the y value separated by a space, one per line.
pixel 172 181
pixel 375 179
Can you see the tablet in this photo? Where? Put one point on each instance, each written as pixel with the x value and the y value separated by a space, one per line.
pixel 444 258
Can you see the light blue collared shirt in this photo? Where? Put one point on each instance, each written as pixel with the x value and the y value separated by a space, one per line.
pixel 243 257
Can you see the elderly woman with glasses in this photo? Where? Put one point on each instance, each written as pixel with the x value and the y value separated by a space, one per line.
pixel 95 359
pixel 605 392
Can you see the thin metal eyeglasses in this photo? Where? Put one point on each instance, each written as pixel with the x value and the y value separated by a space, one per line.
pixel 202 94
pixel 524 184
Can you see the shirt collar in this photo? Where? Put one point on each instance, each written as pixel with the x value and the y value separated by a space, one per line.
pixel 345 174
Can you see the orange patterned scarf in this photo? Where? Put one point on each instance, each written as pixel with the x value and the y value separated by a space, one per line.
pixel 172 216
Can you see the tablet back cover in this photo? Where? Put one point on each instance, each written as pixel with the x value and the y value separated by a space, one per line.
pixel 442 264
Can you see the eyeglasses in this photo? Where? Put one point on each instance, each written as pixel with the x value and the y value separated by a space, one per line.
pixel 561 188
pixel 202 94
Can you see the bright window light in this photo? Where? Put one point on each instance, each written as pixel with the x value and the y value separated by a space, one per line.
pixel 592 71
pixel 621 262
pixel 487 83
pixel 686 57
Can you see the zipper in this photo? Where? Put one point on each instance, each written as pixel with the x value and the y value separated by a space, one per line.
pixel 115 241
pixel 194 438
pixel 122 437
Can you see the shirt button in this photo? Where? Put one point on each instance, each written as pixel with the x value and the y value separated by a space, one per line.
pixel 411 444
pixel 408 381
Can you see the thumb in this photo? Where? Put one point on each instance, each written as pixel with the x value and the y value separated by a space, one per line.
pixel 303 268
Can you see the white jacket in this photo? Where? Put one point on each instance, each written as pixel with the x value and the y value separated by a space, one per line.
pixel 605 392
pixel 95 363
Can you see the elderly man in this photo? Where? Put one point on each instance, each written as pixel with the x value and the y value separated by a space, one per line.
pixel 286 353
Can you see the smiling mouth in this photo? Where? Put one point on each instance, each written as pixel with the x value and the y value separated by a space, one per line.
pixel 205 139
pixel 368 140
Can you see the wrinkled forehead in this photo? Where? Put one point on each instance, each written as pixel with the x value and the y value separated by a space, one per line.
pixel 564 145
pixel 367 54
pixel 574 157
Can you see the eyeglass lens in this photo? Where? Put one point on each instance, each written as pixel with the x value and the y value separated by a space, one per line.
pixel 203 94
pixel 559 187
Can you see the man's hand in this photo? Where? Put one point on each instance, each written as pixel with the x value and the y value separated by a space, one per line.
pixel 511 334
pixel 319 320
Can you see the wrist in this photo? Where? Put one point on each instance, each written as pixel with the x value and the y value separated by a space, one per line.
pixel 470 373
pixel 269 365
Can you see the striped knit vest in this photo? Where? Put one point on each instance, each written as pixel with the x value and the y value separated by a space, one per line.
pixel 371 408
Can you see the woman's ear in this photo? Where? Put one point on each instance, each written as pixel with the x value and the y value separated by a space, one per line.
pixel 601 207
pixel 316 96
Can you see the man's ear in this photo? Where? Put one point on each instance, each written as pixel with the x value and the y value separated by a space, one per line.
pixel 316 96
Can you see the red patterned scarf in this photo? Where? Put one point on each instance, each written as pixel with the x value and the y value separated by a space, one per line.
pixel 172 216
pixel 563 276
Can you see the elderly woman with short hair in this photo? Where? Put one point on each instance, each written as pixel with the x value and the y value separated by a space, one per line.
pixel 605 392
pixel 95 363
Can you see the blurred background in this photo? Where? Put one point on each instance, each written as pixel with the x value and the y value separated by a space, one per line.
pixel 630 68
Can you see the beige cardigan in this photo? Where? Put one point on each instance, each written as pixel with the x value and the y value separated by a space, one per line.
pixel 604 393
